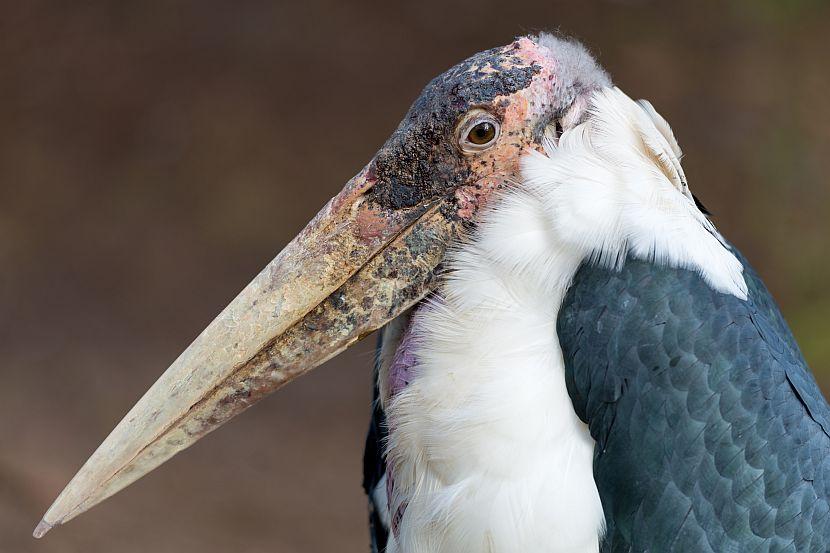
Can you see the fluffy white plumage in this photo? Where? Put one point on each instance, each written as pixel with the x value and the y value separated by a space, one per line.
pixel 614 185
pixel 486 451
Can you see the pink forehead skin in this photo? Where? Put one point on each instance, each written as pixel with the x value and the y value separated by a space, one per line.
pixel 521 109
pixel 530 52
pixel 541 88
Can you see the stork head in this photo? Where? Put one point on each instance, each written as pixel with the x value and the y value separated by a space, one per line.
pixel 368 255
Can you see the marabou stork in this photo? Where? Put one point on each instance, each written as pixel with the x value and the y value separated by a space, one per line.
pixel 575 359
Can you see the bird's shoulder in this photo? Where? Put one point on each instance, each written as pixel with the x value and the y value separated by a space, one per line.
pixel 711 432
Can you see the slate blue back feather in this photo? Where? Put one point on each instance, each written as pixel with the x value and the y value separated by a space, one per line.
pixel 374 463
pixel 712 434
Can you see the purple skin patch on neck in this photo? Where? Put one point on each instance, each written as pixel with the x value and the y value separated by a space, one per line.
pixel 400 371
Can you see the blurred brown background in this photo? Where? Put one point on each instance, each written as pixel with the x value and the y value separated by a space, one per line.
pixel 154 156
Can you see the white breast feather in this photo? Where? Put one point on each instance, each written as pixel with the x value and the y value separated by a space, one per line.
pixel 486 451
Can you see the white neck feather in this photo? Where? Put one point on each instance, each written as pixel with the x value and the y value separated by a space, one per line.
pixel 613 186
pixel 484 448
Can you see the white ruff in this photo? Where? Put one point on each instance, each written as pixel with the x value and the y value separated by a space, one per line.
pixel 485 448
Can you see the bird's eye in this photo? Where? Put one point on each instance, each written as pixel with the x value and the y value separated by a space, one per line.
pixel 478 131
pixel 482 133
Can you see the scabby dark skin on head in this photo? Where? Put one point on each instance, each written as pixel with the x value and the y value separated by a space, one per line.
pixel 419 161
pixel 520 86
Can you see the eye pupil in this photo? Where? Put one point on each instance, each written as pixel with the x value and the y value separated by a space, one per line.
pixel 482 133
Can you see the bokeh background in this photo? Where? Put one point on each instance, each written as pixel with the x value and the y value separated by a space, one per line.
pixel 154 156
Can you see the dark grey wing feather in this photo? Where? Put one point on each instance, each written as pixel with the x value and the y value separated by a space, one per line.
pixel 374 464
pixel 712 434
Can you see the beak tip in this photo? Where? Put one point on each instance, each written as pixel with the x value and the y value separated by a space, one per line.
pixel 41 529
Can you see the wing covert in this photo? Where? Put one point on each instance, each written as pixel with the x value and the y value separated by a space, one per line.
pixel 711 431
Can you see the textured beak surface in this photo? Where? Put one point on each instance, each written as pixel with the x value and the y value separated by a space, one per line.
pixel 369 254
pixel 353 268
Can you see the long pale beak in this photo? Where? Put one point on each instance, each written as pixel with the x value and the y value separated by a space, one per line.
pixel 355 266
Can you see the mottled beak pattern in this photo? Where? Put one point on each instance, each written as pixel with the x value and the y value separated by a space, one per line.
pixel 373 251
